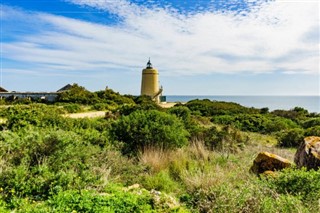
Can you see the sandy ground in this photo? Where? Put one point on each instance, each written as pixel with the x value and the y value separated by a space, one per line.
pixel 86 114
pixel 167 104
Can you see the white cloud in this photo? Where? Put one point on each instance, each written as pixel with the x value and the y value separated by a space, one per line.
pixel 263 41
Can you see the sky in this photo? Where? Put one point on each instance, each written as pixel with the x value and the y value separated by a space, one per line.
pixel 200 47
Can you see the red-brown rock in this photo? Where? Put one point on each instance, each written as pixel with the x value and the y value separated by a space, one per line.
pixel 308 154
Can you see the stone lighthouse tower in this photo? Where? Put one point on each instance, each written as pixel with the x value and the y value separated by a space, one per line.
pixel 150 83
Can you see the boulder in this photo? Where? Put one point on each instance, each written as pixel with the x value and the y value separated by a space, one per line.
pixel 308 154
pixel 266 161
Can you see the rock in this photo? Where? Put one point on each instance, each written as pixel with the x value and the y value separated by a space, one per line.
pixel 165 201
pixel 266 161
pixel 308 154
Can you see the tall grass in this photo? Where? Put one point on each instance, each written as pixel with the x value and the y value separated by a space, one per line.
pixel 156 158
pixel 213 181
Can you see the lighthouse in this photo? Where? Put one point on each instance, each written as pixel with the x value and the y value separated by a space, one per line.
pixel 150 83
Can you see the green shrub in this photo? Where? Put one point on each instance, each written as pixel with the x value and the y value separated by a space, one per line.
pixel 313 131
pixel 38 115
pixel 140 103
pixel 89 201
pixel 276 124
pixel 77 94
pixel 21 181
pixel 291 138
pixel 311 123
pixel 253 123
pixel 262 123
pixel 102 106
pixel 297 114
pixel 227 139
pixel 181 112
pixel 143 129
pixel 211 108
pixel 161 182
pixel 3 206
pixel 39 162
pixel 264 110
pixel 303 184
pixel 249 197
pixel 190 124
pixel 109 96
pixel 72 108
pixel 283 203
pixel 223 119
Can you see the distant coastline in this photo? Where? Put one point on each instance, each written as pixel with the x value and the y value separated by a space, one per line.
pixel 310 103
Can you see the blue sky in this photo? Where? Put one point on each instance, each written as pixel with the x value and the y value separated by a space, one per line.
pixel 204 47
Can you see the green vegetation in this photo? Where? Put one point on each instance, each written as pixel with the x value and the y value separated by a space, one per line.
pixel 142 129
pixel 142 158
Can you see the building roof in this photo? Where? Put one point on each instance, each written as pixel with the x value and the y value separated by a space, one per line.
pixel 3 89
pixel 65 88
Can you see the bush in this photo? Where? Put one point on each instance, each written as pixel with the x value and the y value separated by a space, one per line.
pixel 313 131
pixel 227 139
pixel 211 108
pixel 311 123
pixel 142 129
pixel 72 108
pixel 39 162
pixel 109 96
pixel 282 203
pixel 303 184
pixel 161 182
pixel 77 94
pixel 103 106
pixel 291 138
pixel 89 201
pixel 33 115
pixel 224 198
pixel 190 124
pixel 276 124
pixel 223 119
pixel 248 197
pixel 255 122
pixel 181 112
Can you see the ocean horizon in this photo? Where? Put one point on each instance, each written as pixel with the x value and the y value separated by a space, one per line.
pixel 310 103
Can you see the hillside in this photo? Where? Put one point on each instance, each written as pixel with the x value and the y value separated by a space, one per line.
pixel 140 157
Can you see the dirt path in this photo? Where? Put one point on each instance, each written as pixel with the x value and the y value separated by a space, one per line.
pixel 167 104
pixel 86 114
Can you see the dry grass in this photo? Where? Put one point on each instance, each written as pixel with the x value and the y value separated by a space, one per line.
pixel 156 158
pixel 197 167
pixel 198 150
pixel 212 168
pixel 159 159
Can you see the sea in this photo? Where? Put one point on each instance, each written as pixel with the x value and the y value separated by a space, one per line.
pixel 310 103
